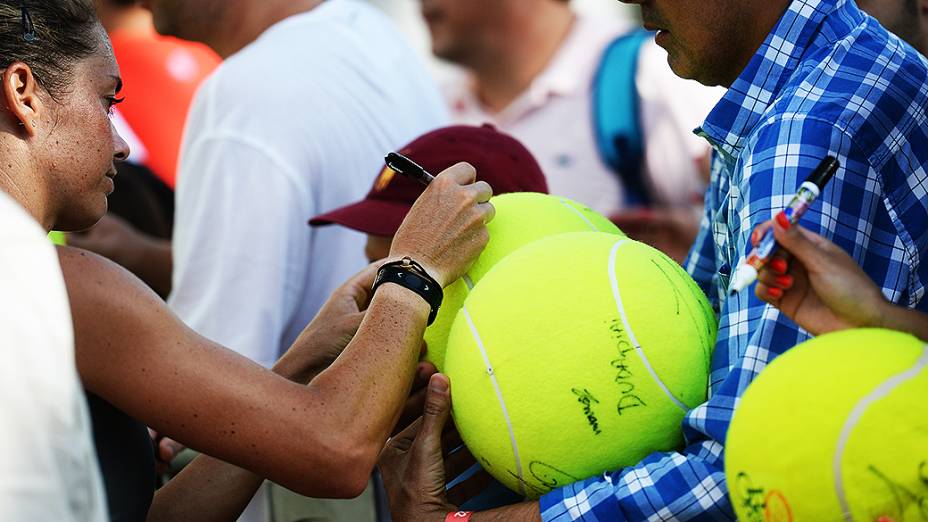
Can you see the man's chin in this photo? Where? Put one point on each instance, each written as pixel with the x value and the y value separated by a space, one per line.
pixel 441 48
pixel 682 67
pixel 679 67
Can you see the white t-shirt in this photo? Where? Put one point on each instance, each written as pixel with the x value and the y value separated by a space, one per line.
pixel 553 118
pixel 295 124
pixel 48 465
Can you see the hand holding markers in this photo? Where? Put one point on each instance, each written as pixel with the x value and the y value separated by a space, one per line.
pixel 817 284
pixel 820 287
pixel 445 230
pixel 764 250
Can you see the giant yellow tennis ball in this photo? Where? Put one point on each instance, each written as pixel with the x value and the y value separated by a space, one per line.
pixel 834 429
pixel 577 354
pixel 521 218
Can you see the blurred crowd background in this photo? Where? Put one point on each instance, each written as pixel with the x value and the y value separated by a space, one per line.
pixel 407 14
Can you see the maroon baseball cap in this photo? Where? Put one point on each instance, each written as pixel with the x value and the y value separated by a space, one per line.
pixel 500 160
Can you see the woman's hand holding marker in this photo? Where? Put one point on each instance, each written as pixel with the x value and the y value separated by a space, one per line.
pixel 819 286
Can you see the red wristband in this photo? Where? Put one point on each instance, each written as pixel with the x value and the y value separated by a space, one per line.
pixel 458 516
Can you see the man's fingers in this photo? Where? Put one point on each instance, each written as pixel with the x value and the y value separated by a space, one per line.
pixel 437 406
pixel 168 449
pixel 403 441
pixel 366 276
pixel 489 211
pixel 482 191
pixel 424 372
pixel 360 285
pixel 353 321
pixel 436 413
pixel 461 173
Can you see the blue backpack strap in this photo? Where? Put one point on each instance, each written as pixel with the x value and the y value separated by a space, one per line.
pixel 617 114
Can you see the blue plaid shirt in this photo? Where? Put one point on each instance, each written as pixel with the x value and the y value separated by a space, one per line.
pixel 827 80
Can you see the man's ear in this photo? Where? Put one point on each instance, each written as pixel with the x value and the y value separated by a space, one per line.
pixel 21 96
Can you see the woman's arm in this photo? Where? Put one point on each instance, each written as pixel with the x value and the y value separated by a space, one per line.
pixel 209 489
pixel 138 356
pixel 320 440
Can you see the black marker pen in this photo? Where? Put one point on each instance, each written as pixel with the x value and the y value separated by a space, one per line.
pixel 408 168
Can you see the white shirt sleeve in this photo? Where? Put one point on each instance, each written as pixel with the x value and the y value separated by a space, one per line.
pixel 48 467
pixel 237 279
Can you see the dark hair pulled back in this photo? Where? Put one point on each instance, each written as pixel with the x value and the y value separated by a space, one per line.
pixel 65 33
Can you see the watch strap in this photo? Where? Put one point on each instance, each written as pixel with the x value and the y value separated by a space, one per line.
pixel 410 275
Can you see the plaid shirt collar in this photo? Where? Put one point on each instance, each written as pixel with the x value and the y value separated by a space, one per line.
pixel 760 84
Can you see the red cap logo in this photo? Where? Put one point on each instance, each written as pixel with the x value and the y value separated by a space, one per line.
pixel 383 181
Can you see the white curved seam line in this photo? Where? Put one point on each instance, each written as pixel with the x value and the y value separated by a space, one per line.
pixel 881 391
pixel 468 282
pixel 614 280
pixel 499 397
pixel 579 215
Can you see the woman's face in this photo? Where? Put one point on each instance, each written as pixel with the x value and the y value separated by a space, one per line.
pixel 78 144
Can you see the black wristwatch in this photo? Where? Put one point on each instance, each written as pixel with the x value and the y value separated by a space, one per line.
pixel 409 274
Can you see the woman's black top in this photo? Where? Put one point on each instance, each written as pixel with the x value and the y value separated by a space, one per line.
pixel 127 461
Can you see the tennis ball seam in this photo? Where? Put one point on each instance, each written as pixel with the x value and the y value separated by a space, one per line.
pixel 499 396
pixel 883 390
pixel 579 214
pixel 617 296
pixel 470 283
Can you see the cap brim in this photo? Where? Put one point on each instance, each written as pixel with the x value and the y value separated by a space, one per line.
pixel 370 216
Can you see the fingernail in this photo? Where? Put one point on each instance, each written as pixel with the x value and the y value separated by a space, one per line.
pixel 778 265
pixel 775 293
pixel 782 220
pixel 785 281
pixel 438 384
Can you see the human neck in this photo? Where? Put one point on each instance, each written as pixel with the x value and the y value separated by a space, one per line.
pixel 756 25
pixel 13 182
pixel 524 51
pixel 251 19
